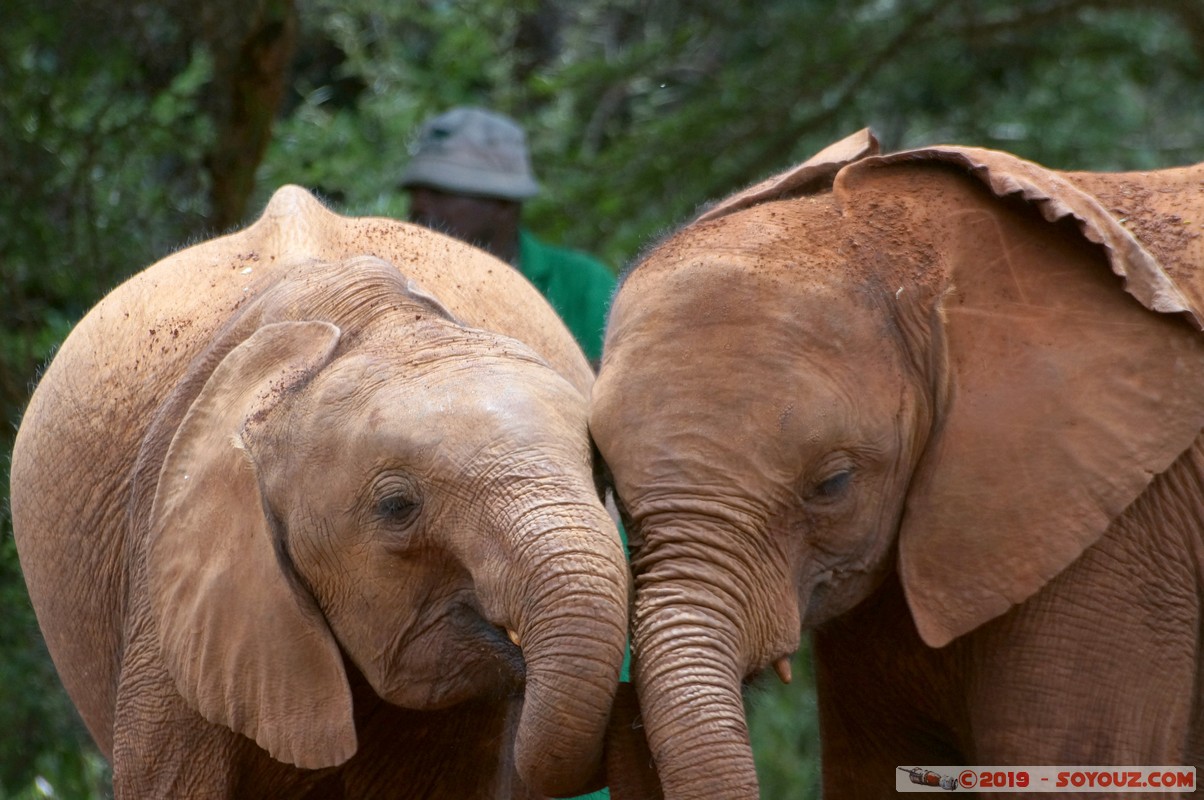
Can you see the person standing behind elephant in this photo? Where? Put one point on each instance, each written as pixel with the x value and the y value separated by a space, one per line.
pixel 468 177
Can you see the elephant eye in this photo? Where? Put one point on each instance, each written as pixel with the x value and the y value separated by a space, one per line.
pixel 397 507
pixel 834 485
pixel 396 498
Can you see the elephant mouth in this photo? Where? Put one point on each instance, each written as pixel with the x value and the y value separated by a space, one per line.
pixel 779 666
pixel 505 643
pixel 472 660
pixel 494 646
pixel 457 657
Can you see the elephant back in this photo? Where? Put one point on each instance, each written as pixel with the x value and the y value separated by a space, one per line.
pixel 170 311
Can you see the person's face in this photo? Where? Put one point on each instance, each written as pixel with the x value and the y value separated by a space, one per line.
pixel 481 221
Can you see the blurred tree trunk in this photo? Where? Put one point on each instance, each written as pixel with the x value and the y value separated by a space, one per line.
pixel 252 54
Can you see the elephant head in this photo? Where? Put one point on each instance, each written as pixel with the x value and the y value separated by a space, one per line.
pixel 925 362
pixel 357 473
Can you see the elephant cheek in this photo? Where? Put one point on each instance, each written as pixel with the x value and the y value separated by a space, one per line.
pixel 449 682
pixel 826 598
pixel 825 593
pixel 443 657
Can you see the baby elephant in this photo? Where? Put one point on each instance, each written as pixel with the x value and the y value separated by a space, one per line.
pixel 309 510
pixel 944 408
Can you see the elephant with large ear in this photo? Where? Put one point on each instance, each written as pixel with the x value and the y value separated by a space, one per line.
pixel 310 510
pixel 943 408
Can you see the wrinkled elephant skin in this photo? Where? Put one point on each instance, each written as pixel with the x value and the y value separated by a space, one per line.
pixel 943 408
pixel 310 510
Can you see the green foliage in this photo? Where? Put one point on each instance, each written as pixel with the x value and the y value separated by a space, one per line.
pixel 95 168
pixel 34 706
pixel 678 104
pixel 638 112
pixel 783 723
pixel 348 133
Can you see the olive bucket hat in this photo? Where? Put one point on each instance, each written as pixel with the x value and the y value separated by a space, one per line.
pixel 472 151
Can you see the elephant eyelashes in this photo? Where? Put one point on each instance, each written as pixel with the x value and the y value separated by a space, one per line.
pixel 397 498
pixel 834 486
pixel 397 508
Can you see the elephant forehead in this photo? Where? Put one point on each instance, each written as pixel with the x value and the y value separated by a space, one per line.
pixel 738 293
pixel 462 406
pixel 734 421
pixel 771 407
pixel 735 333
pixel 715 369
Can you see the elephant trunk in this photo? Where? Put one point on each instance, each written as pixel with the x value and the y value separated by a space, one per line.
pixel 571 621
pixel 689 676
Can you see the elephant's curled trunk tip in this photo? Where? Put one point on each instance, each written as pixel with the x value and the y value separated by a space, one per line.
pixel 572 637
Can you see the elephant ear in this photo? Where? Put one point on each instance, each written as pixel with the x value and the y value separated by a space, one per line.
pixel 246 647
pixel 1162 209
pixel 1144 202
pixel 813 175
pixel 1059 398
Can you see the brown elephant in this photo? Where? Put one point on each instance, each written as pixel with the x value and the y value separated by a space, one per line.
pixel 310 510
pixel 943 408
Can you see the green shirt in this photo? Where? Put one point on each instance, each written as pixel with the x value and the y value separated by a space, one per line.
pixel 578 286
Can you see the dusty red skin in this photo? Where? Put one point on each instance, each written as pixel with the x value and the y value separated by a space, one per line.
pixel 907 402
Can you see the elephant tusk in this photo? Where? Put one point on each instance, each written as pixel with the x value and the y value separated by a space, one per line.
pixel 513 637
pixel 782 668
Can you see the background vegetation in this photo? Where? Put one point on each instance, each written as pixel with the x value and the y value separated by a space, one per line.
pixel 130 129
